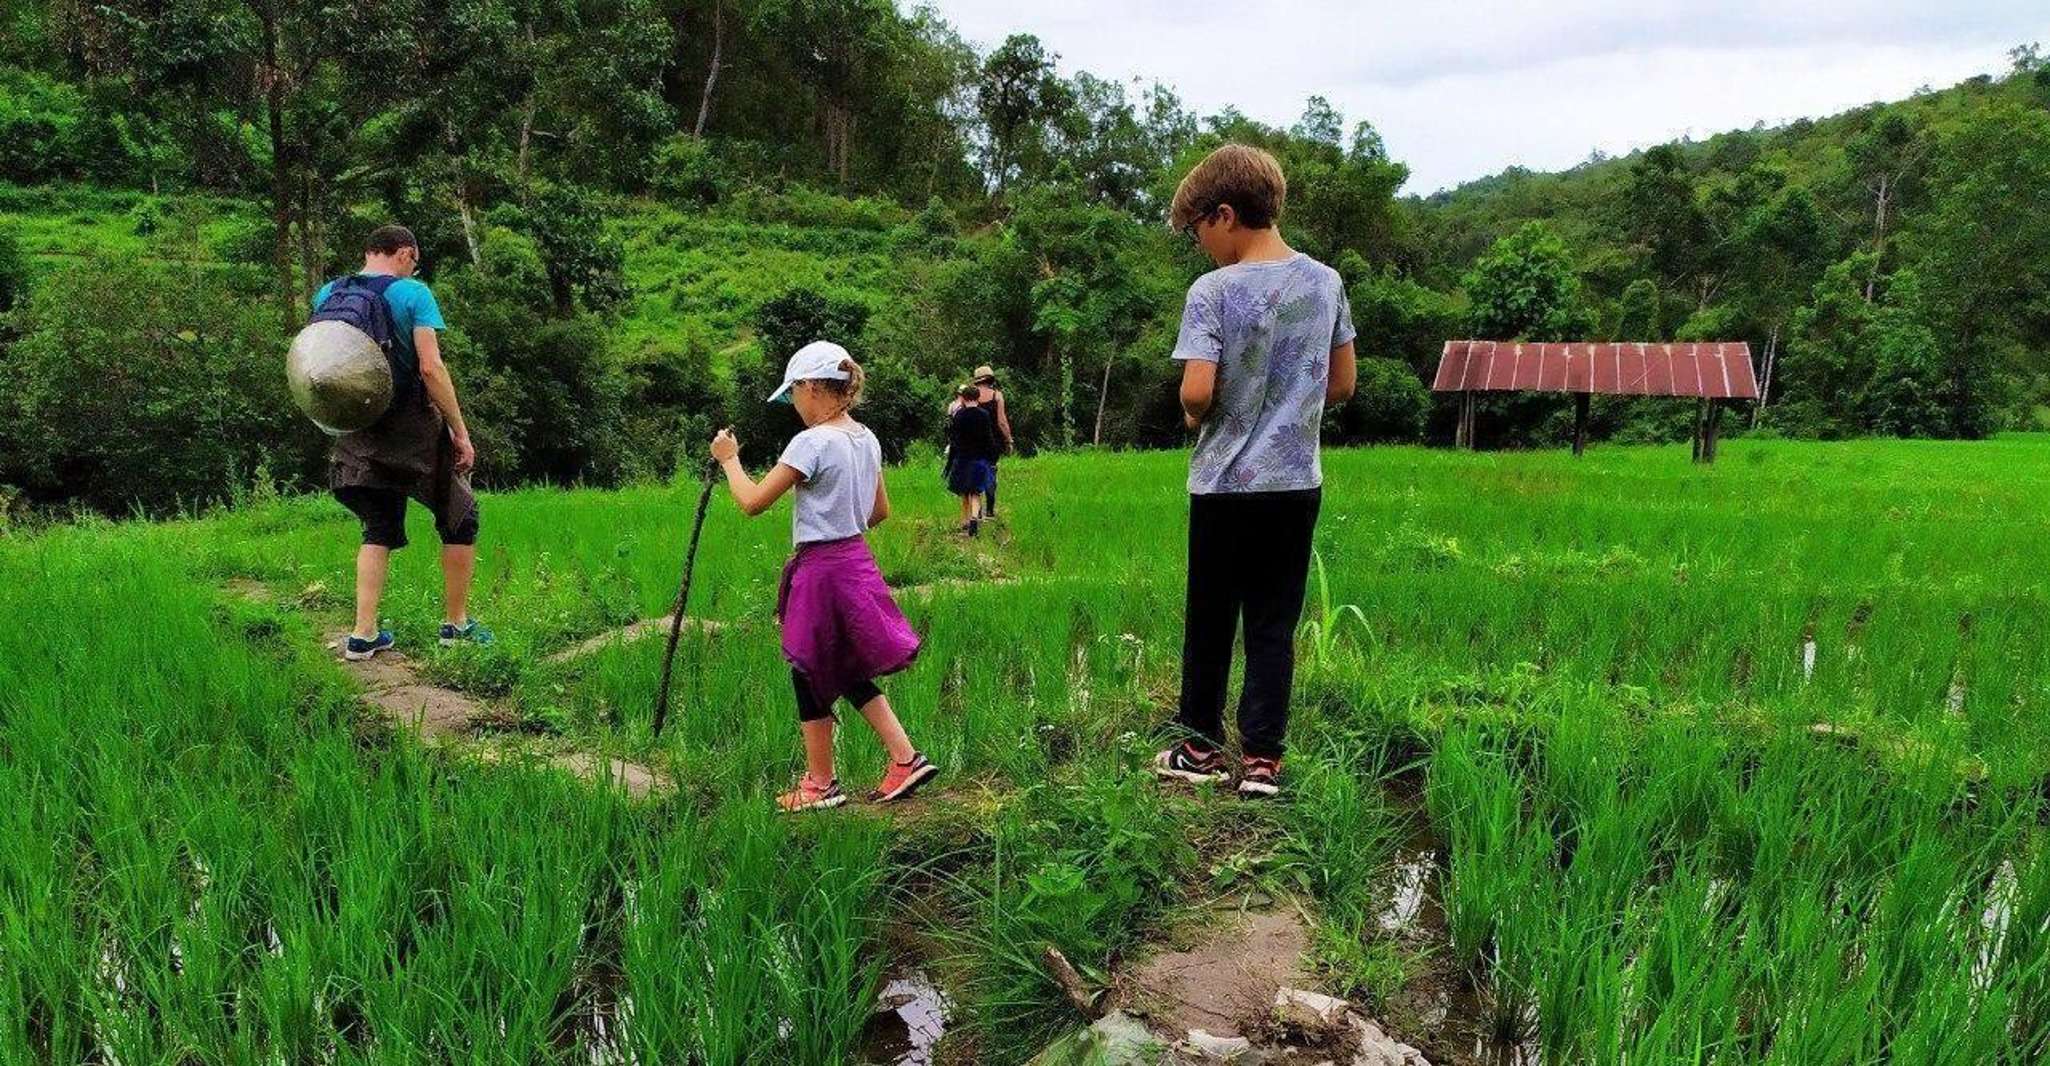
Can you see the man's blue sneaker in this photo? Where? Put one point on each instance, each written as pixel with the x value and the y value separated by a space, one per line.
pixel 467 633
pixel 356 649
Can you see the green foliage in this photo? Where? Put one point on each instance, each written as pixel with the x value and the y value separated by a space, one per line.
pixel 1389 406
pixel 1525 288
pixel 582 260
pixel 1398 319
pixel 139 385
pixel 543 393
pixel 13 274
pixel 686 170
pixel 800 316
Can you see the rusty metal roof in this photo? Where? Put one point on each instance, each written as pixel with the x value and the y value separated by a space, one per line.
pixel 1710 369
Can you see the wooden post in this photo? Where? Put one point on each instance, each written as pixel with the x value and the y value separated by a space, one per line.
pixel 1700 428
pixel 1713 437
pixel 1472 410
pixel 1580 402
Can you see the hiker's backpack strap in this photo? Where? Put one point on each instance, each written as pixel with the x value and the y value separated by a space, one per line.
pixel 360 301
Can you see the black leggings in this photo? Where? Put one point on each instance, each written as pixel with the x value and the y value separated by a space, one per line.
pixel 808 709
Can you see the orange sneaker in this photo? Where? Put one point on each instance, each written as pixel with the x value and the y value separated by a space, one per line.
pixel 903 778
pixel 809 795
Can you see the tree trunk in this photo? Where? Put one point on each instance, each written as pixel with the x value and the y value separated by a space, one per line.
pixel 526 126
pixel 1878 234
pixel 280 173
pixel 1102 397
pixel 310 257
pixel 1772 345
pixel 469 218
pixel 711 73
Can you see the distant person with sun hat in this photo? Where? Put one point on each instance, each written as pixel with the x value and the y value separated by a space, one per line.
pixel 992 400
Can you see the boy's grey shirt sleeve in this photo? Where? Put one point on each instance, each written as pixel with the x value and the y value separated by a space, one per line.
pixel 1202 332
pixel 1342 332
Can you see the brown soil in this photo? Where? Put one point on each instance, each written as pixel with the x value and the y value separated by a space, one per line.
pixel 1224 984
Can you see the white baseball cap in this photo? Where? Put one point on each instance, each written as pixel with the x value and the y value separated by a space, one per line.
pixel 815 361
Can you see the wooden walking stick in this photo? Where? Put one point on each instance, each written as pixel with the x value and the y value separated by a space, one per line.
pixel 690 563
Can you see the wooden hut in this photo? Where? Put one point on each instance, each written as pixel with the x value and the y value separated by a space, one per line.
pixel 1714 373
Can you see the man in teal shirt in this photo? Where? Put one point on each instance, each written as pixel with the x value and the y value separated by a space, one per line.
pixel 419 450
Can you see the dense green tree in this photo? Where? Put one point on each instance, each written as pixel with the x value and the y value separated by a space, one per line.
pixel 1525 289
pixel 1664 223
pixel 147 386
pixel 1020 96
pixel 1982 254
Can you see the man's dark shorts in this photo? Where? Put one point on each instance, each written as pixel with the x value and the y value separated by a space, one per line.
pixel 407 454
pixel 383 513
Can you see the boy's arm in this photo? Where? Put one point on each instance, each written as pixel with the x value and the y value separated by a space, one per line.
pixel 1199 390
pixel 1345 373
pixel 441 390
pixel 1003 420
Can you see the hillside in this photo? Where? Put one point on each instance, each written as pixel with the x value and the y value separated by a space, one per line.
pixel 623 261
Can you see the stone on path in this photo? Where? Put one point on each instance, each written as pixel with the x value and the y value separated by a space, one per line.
pixel 1377 1048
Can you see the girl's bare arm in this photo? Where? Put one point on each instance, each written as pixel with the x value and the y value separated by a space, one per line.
pixel 753 496
pixel 882 507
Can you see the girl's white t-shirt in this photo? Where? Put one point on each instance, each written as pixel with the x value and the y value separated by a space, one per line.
pixel 840 467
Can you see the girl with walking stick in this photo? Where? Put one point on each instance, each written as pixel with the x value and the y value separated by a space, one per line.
pixel 841 626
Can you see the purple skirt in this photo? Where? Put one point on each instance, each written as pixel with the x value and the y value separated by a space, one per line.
pixel 840 623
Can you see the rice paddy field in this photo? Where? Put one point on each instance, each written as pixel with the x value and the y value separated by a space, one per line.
pixel 1617 760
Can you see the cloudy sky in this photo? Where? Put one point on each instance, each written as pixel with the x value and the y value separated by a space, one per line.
pixel 1463 90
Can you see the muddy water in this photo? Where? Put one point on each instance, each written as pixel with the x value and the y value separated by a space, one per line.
pixel 911 1016
pixel 1439 1010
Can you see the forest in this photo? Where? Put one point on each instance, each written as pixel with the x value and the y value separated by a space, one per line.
pixel 632 209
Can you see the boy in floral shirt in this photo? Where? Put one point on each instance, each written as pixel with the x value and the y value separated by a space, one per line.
pixel 1265 347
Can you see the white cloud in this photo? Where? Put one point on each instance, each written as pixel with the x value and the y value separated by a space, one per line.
pixel 1459 91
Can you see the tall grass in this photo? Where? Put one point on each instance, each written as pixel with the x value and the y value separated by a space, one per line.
pixel 1651 855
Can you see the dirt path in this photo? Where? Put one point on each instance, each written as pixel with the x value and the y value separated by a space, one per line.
pixel 1225 983
pixel 627 634
pixel 392 686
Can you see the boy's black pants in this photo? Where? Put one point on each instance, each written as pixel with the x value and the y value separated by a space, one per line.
pixel 1249 556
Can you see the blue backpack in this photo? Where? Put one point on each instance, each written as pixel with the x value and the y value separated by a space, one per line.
pixel 358 300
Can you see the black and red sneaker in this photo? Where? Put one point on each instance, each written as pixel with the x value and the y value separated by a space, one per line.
pixel 1259 776
pixel 903 778
pixel 1191 762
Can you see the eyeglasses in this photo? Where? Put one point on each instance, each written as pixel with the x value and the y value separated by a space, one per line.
pixel 1189 231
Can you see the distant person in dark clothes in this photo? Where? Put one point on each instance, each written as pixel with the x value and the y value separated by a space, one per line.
pixel 992 400
pixel 971 455
pixel 419 450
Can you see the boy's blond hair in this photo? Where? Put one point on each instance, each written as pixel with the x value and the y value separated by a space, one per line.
pixel 1247 178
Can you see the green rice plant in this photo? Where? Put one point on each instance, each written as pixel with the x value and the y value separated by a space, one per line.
pixel 1323 630
pixel 1652 853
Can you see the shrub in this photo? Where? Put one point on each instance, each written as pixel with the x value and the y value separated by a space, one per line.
pixel 1389 404
pixel 801 316
pixel 135 385
pixel 544 393
pixel 686 170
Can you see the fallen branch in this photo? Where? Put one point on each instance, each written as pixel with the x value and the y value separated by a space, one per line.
pixel 1064 974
